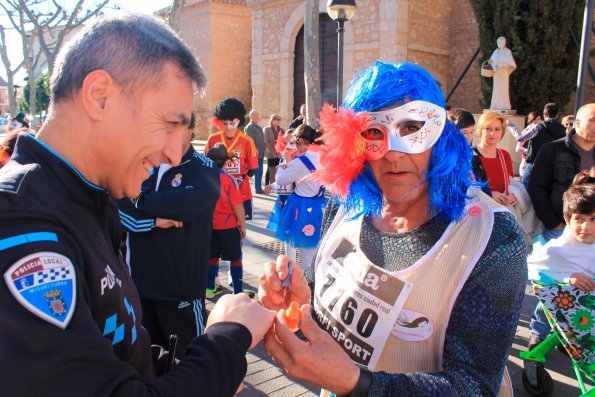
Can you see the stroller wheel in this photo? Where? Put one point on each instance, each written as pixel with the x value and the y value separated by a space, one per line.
pixel 544 386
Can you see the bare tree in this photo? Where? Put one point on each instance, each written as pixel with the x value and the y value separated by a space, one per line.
pixel 58 28
pixel 175 11
pixel 10 72
pixel 43 25
pixel 311 61
pixel 19 21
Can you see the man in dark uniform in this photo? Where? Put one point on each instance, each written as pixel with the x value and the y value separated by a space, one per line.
pixel 71 315
pixel 169 235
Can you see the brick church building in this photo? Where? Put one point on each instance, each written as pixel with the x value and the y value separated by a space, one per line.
pixel 253 49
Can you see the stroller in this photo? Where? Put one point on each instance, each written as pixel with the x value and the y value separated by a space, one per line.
pixel 571 314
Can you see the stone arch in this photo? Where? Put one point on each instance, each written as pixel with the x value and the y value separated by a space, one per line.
pixel 286 46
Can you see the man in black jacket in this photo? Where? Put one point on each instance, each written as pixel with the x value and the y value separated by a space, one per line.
pixel 121 100
pixel 169 235
pixel 548 130
pixel 299 120
pixel 556 165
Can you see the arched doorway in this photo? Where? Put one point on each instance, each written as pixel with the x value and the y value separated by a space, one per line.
pixel 328 64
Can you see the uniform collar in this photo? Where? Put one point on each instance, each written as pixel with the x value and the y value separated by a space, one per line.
pixel 66 177
pixel 187 156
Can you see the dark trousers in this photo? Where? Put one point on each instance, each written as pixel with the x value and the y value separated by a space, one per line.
pixel 258 176
pixel 185 318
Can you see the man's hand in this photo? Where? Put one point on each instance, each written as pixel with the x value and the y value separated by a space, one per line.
pixel 166 223
pixel 319 361
pixel 269 290
pixel 268 189
pixel 582 282
pixel 243 310
pixel 242 228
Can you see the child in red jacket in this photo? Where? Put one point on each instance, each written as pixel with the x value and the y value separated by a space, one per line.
pixel 229 228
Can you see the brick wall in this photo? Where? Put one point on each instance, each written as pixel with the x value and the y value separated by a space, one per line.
pixel 221 37
pixel 464 41
pixel 428 43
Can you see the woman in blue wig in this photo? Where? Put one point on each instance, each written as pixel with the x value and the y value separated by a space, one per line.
pixel 418 283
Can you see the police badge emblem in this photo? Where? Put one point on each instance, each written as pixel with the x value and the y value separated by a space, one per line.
pixel 45 284
pixel 177 181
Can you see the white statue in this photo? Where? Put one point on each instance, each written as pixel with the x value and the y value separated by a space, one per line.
pixel 503 64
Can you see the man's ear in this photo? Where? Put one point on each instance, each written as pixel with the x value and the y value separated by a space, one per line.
pixel 97 93
pixel 577 123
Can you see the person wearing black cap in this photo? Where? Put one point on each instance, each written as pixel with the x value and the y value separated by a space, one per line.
pixel 17 122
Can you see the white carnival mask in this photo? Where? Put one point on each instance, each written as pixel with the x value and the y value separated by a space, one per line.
pixel 411 128
pixel 231 124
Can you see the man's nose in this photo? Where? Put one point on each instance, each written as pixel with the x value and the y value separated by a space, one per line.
pixel 172 152
pixel 394 155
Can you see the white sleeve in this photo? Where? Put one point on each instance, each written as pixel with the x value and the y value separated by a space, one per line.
pixel 295 171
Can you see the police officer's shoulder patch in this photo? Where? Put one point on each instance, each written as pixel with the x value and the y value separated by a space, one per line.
pixel 45 284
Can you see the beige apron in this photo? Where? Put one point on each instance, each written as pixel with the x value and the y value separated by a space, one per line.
pixel 416 341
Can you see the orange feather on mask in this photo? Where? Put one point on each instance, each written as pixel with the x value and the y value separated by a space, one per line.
pixel 342 155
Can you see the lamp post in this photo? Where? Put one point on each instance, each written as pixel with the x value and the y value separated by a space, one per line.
pixel 340 11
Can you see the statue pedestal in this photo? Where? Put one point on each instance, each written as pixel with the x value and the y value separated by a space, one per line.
pixel 504 112
pixel 508 141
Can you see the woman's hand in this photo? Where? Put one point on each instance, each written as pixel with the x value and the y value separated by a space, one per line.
pixel 270 292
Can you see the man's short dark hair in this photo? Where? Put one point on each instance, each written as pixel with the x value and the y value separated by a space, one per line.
pixel 131 48
pixel 551 110
pixel 307 133
pixel 461 118
pixel 230 108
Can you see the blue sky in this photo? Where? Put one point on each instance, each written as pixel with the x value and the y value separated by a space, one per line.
pixel 14 41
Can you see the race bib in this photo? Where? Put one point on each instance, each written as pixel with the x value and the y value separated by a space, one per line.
pixel 232 166
pixel 356 302
pixel 45 284
pixel 285 189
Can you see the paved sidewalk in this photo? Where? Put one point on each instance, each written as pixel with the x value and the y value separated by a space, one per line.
pixel 264 378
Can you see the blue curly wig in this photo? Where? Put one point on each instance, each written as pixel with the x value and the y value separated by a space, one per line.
pixel 449 174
